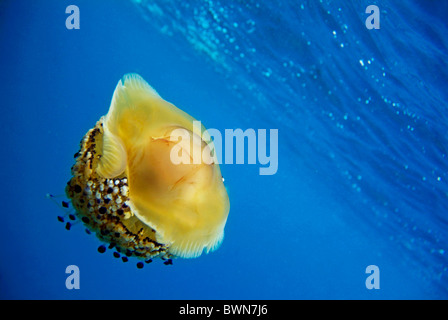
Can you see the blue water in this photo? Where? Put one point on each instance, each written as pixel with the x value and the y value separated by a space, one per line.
pixel 363 138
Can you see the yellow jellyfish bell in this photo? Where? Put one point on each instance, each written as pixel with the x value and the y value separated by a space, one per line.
pixel 127 188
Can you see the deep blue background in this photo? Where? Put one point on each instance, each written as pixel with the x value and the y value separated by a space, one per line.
pixel 362 143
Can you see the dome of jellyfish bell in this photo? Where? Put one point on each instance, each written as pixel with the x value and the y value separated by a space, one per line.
pixel 126 188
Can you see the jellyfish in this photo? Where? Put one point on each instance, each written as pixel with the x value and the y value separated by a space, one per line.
pixel 126 189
